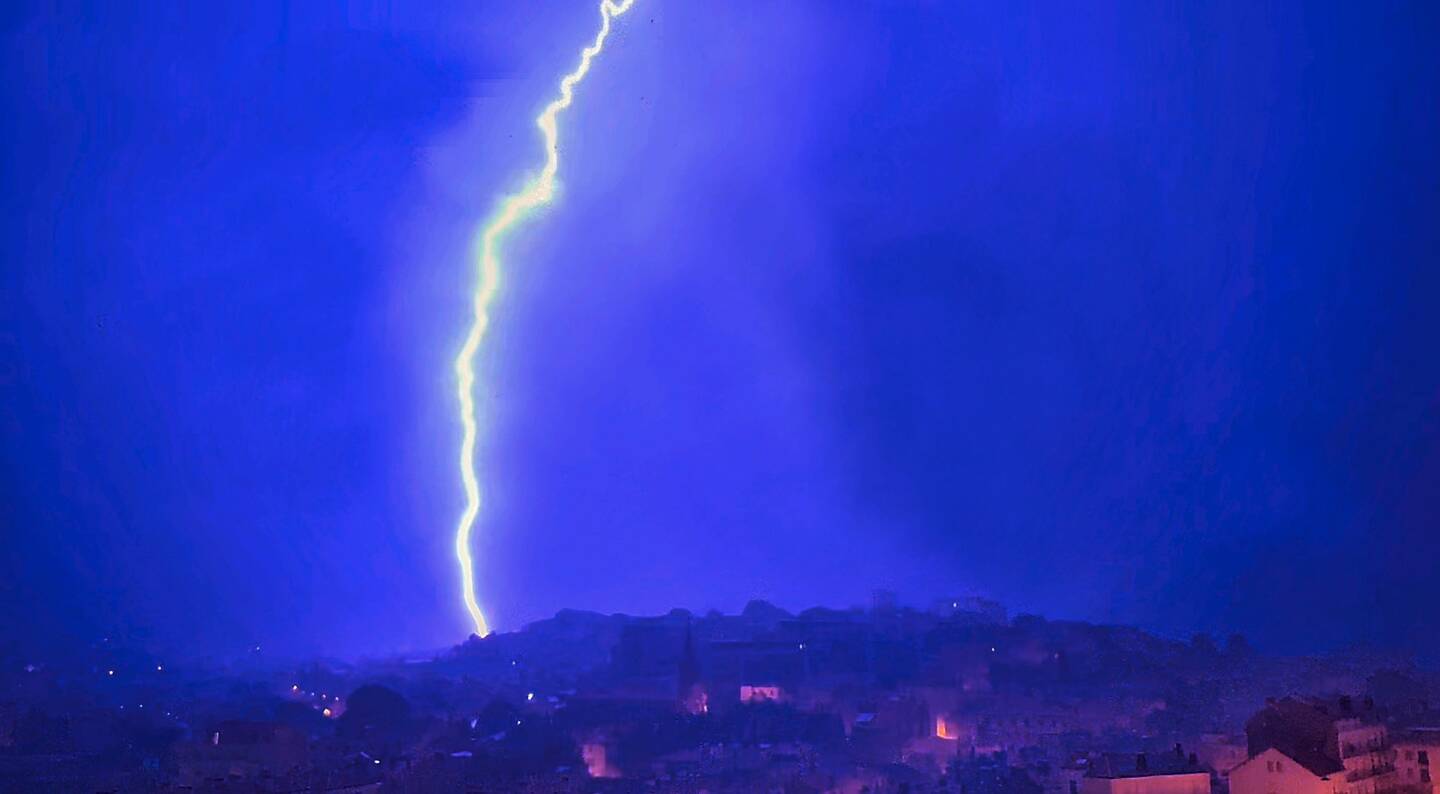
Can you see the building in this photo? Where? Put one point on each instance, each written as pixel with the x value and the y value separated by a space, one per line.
pixel 991 775
pixel 760 693
pixel 1161 773
pixel 1417 760
pixel 1340 731
pixel 649 648
pixel 1274 772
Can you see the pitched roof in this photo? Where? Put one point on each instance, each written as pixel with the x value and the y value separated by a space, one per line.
pixel 1318 764
pixel 1303 731
pixel 1121 765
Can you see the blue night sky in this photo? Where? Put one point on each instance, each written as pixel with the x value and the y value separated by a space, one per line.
pixel 1123 312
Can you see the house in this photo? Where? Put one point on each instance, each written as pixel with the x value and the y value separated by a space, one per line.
pixel 1347 733
pixel 1274 772
pixel 1417 760
pixel 1160 773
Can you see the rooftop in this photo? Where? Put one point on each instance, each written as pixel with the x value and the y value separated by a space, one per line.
pixel 1123 765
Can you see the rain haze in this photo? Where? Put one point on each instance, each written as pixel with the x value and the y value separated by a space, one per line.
pixel 1123 313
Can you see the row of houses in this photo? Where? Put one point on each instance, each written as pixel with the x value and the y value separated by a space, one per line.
pixel 1295 746
pixel 1339 746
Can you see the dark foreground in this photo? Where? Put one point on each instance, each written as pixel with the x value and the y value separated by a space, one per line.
pixel 956 698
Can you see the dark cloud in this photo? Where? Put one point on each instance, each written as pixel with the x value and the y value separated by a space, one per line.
pixel 1123 314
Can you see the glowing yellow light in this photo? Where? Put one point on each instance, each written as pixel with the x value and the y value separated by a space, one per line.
pixel 944 730
pixel 513 208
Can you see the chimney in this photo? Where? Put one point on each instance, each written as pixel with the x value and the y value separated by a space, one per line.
pixel 1179 751
pixel 1194 760
pixel 1141 765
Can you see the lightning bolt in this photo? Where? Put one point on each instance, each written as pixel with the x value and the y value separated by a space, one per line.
pixel 512 210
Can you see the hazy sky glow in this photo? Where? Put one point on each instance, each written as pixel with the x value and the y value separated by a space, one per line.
pixel 1124 314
